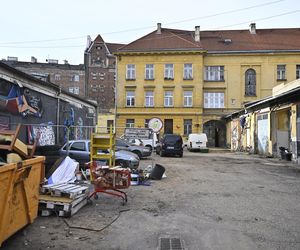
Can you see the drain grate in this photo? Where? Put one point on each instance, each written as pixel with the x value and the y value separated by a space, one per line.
pixel 170 244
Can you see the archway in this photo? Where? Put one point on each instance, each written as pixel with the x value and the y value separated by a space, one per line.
pixel 216 133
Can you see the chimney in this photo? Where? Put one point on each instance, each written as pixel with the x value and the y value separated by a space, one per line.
pixel 197 33
pixel 33 59
pixel 253 28
pixel 88 41
pixel 158 28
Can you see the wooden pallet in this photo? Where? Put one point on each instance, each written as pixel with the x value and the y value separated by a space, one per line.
pixel 61 206
pixel 67 190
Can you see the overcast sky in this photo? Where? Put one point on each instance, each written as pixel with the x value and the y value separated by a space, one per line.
pixel 57 29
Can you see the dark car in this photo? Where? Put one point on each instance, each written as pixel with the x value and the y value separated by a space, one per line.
pixel 170 144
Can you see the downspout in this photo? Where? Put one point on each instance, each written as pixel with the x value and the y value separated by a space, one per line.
pixel 116 95
pixel 57 115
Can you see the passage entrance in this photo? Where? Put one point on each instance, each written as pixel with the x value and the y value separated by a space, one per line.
pixel 168 126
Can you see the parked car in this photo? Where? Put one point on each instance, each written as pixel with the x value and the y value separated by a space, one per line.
pixel 134 141
pixel 170 144
pixel 79 150
pixel 197 142
pixel 141 151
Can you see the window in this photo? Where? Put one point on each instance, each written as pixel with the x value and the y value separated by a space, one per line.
pixel 297 71
pixel 188 71
pixel 130 71
pixel 149 99
pixel 76 90
pixel 149 72
pixel 74 78
pixel 129 123
pixel 281 72
pixel 250 82
pixel 71 89
pixel 213 100
pixel 147 123
pixel 168 98
pixel 130 98
pixel 57 77
pixel 169 72
pixel 214 73
pixel 109 124
pixel 187 126
pixel 188 98
pixel 78 146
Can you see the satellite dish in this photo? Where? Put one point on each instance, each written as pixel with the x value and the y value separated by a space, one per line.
pixel 155 124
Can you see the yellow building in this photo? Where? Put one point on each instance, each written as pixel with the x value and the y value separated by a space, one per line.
pixel 190 79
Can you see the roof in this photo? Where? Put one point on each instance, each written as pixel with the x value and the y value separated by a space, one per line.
pixel 43 83
pixel 290 96
pixel 218 41
pixel 45 65
pixel 112 47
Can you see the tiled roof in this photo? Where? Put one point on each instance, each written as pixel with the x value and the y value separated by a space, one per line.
pixel 113 47
pixel 218 41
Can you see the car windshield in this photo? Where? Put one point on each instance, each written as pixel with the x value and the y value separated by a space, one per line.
pixel 173 139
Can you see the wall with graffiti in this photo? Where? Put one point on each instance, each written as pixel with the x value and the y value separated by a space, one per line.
pixel 45 118
pixel 18 100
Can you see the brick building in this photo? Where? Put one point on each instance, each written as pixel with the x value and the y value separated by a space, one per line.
pixel 69 77
pixel 100 72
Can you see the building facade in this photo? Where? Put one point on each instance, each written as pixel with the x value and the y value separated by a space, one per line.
pixel 191 79
pixel 267 125
pixel 100 72
pixel 45 111
pixel 70 78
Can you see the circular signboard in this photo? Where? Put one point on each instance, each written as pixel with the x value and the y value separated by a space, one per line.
pixel 155 124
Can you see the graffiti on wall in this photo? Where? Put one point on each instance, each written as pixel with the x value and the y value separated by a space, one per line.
pixel 43 133
pixel 17 100
pixel 79 129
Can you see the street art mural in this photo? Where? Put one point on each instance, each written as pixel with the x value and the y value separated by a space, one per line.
pixel 43 133
pixel 79 129
pixel 18 100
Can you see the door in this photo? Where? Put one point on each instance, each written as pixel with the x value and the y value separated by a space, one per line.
pixel 216 133
pixel 262 133
pixel 168 126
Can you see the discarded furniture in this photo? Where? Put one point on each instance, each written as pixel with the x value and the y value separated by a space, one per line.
pixel 64 199
pixel 9 141
pixel 19 185
pixel 109 180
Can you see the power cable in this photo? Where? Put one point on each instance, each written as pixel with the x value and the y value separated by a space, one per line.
pixel 148 27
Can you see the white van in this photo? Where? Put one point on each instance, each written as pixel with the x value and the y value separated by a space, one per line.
pixel 197 142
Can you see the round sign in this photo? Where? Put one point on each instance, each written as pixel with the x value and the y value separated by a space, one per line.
pixel 155 124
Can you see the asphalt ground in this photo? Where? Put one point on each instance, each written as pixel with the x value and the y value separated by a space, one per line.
pixel 213 200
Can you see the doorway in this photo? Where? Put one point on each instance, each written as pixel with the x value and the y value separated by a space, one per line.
pixel 216 133
pixel 168 126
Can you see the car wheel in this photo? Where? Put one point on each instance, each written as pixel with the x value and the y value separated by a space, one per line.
pixel 122 164
pixel 180 155
pixel 138 153
pixel 161 153
pixel 149 146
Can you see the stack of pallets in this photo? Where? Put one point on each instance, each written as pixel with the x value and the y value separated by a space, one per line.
pixel 63 199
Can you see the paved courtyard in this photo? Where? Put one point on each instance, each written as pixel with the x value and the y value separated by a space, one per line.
pixel 208 201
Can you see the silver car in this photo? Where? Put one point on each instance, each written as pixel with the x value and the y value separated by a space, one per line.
pixel 79 150
pixel 141 151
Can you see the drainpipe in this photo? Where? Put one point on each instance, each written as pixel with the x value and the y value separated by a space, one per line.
pixel 57 115
pixel 116 95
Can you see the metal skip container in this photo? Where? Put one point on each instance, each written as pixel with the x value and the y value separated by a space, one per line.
pixel 19 195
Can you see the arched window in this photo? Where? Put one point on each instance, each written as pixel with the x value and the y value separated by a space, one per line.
pixel 250 82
